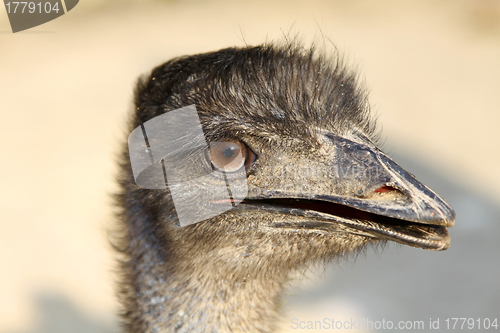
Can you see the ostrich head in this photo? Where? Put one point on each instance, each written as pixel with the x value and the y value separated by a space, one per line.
pixel 287 132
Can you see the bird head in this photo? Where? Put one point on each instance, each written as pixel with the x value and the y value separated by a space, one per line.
pixel 288 132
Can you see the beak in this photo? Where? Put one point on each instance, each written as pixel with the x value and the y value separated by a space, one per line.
pixel 369 195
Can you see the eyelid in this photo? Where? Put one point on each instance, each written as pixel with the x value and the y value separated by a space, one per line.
pixel 251 158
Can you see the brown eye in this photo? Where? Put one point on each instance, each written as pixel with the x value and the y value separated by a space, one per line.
pixel 230 156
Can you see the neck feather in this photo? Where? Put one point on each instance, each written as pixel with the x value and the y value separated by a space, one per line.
pixel 167 289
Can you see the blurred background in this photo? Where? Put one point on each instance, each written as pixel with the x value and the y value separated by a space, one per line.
pixel 433 69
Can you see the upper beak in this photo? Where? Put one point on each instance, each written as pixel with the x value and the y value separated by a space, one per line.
pixel 374 172
pixel 373 196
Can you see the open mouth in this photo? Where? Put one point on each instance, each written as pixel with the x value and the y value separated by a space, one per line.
pixel 412 233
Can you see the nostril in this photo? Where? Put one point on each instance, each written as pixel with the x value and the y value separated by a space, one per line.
pixel 384 189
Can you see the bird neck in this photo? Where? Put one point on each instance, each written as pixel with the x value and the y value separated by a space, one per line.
pixel 186 292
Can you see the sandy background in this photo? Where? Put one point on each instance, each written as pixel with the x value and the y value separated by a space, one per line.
pixel 433 69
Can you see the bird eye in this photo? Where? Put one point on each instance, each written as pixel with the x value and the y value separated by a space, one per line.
pixel 230 156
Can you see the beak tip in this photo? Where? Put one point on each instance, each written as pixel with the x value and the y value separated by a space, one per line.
pixel 451 222
pixel 444 247
pixel 449 216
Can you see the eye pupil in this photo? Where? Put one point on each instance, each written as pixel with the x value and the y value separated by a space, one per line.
pixel 228 152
